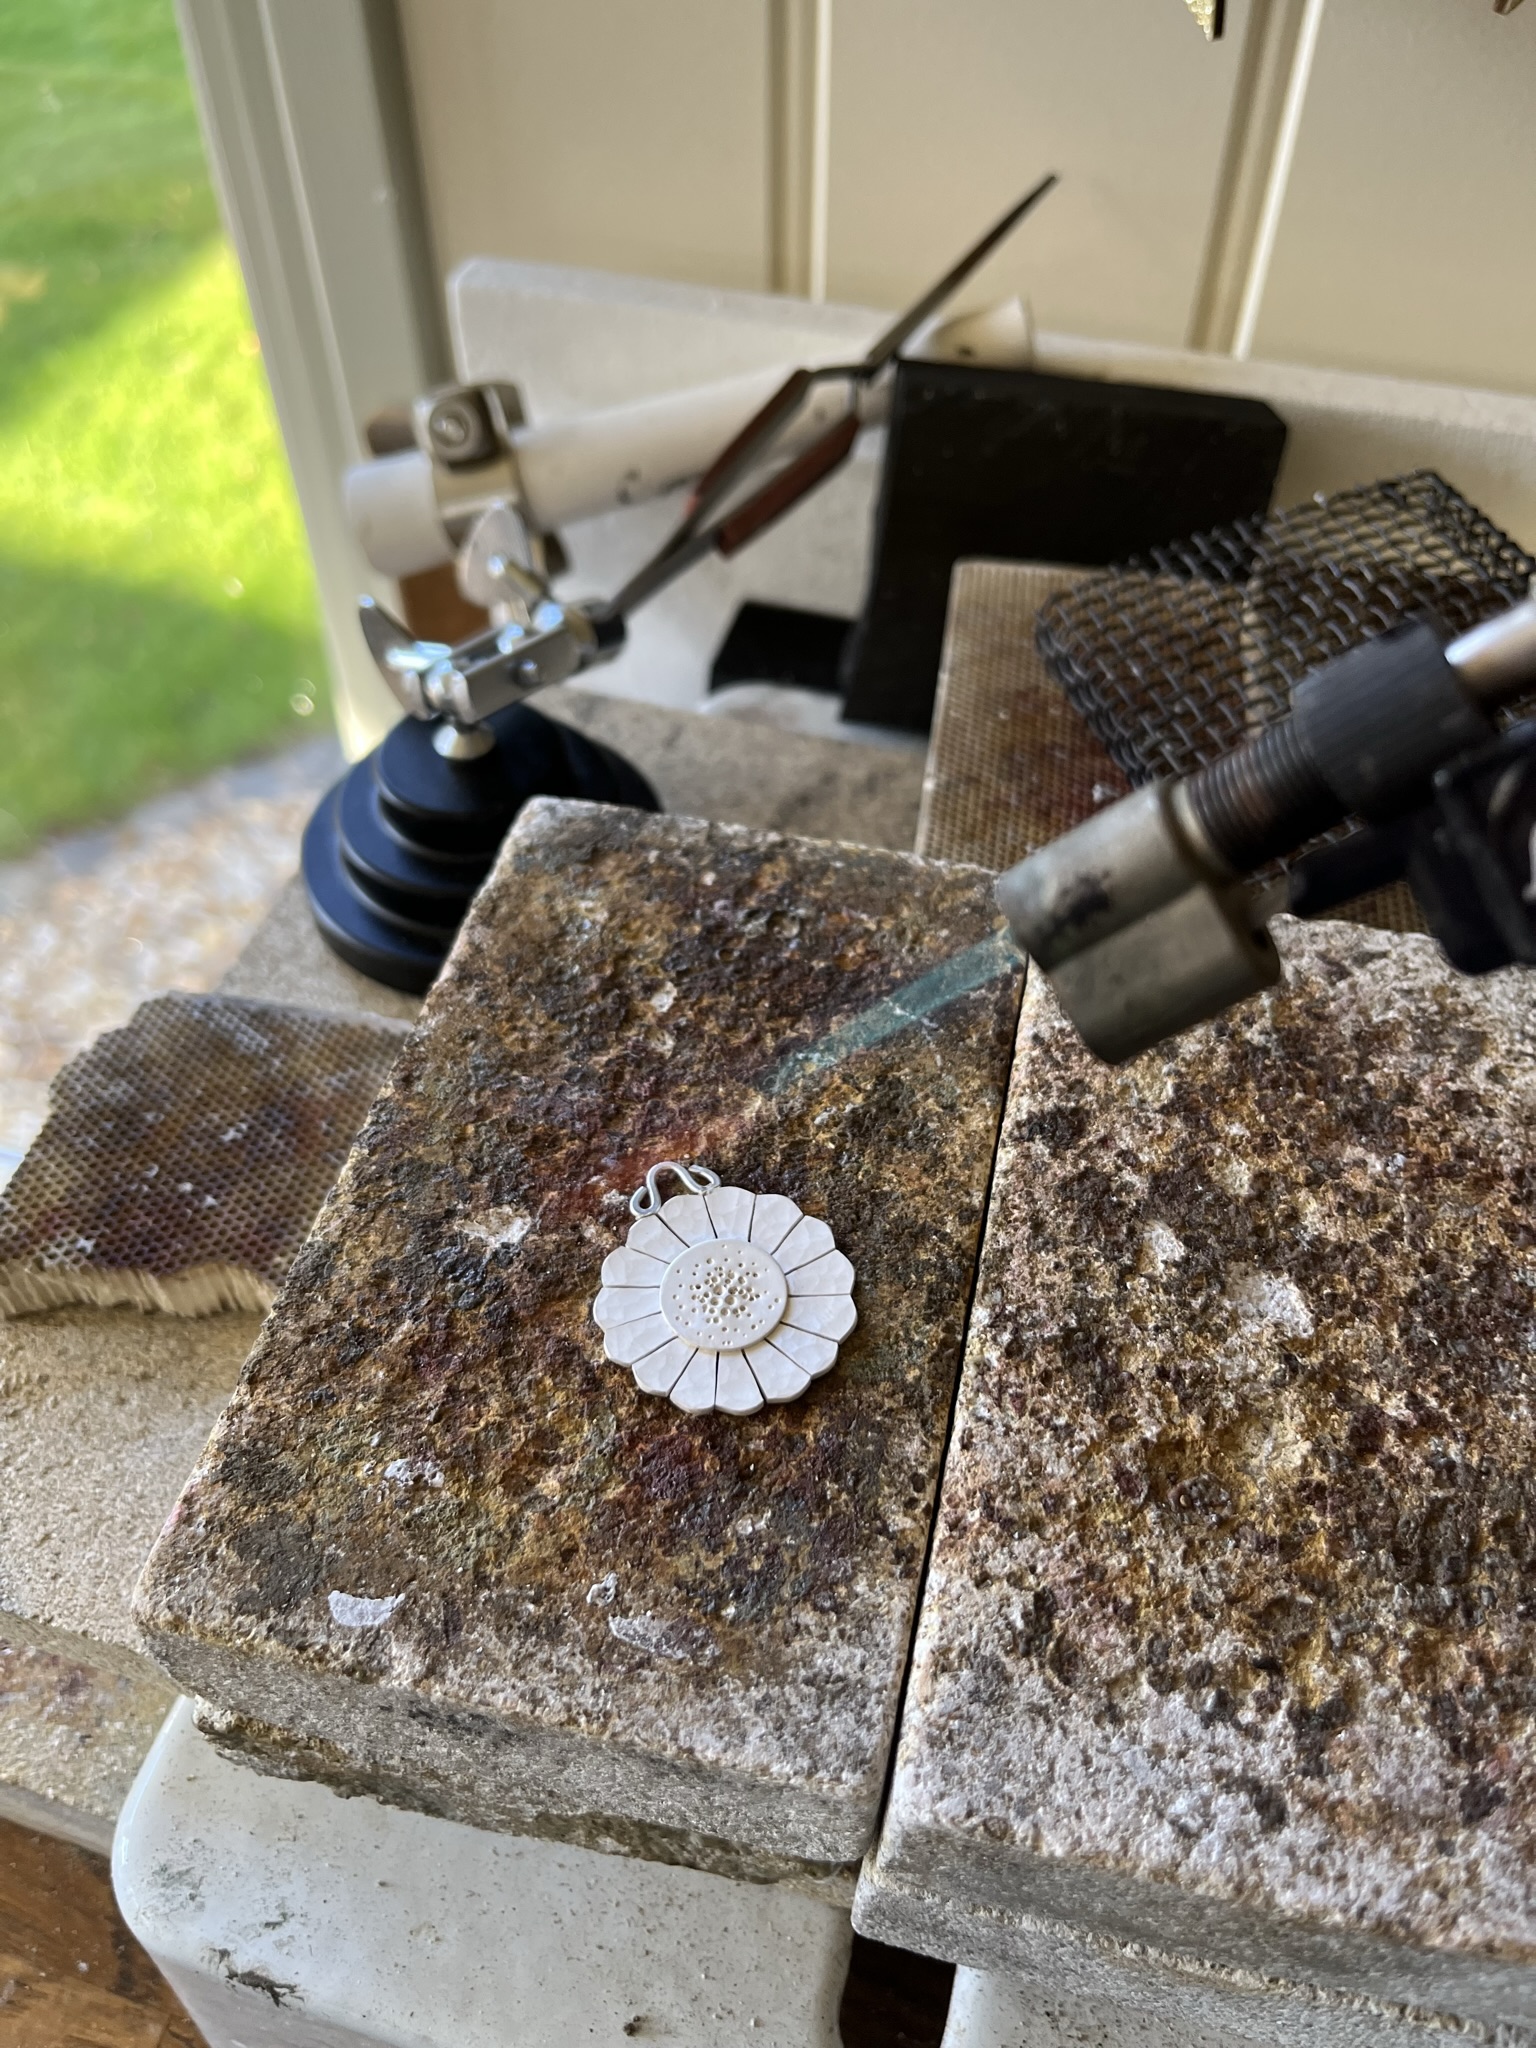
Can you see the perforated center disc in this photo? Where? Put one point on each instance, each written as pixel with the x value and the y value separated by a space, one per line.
pixel 723 1294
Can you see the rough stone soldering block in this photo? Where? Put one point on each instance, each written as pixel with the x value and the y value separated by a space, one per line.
pixel 1228 1647
pixel 991 2011
pixel 438 1546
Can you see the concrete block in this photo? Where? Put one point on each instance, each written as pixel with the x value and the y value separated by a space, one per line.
pixel 101 1412
pixel 73 1732
pixel 1227 1645
pixel 449 1551
pixel 286 1917
pixel 287 961
pixel 991 2011
pixel 988 2011
pixel 777 781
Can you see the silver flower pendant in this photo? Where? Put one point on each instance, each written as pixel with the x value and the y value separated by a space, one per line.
pixel 722 1298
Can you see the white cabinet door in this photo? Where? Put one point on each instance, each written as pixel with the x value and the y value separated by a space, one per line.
pixel 665 139
pixel 674 137
pixel 1408 238
pixel 944 110
pixel 626 135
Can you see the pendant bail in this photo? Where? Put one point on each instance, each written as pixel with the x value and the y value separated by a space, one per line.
pixel 698 1180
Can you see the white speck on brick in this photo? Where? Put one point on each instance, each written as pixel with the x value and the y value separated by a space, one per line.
pixel 1161 1248
pixel 351 1610
pixel 414 1472
pixel 1233 1175
pixel 1271 1298
pixel 499 1229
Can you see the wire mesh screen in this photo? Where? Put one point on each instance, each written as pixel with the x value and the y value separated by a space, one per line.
pixel 1181 656
pixel 185 1155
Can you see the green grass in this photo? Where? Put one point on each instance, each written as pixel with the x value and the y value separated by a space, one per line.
pixel 157 610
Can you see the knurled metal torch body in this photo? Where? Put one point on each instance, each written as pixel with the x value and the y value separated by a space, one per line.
pixel 1144 918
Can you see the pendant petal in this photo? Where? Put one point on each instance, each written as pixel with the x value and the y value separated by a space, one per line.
pixel 615 1305
pixel 629 1268
pixel 812 1353
pixel 660 1373
pixel 828 1315
pixel 688 1217
pixel 736 1391
pixel 651 1236
pixel 773 1218
pixel 631 1342
pixel 808 1240
pixel 695 1391
pixel 778 1376
pixel 730 1210
pixel 830 1274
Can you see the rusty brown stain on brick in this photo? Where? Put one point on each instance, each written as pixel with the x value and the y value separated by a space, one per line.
pixel 614 1001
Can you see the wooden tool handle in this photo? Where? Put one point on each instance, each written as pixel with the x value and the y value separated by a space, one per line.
pixel 734 456
pixel 788 487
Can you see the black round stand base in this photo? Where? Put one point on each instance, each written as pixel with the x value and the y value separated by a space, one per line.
pixel 397 848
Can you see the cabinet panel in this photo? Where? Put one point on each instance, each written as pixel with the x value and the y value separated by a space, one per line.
pixel 1406 240
pixel 624 135
pixel 654 139
pixel 942 113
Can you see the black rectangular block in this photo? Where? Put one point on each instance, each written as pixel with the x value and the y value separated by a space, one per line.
pixel 1019 466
